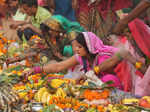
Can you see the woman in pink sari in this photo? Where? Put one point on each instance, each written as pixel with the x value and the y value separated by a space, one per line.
pixel 90 52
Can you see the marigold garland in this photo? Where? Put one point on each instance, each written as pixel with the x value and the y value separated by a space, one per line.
pixel 92 95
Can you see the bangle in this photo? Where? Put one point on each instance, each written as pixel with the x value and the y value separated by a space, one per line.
pixel 138 65
pixel 119 56
pixel 43 68
pixel 96 69
pixel 37 69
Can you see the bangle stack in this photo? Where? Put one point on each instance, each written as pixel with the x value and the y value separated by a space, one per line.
pixel 96 69
pixel 42 68
pixel 138 65
pixel 37 69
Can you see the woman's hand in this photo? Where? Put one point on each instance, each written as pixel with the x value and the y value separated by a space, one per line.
pixel 143 69
pixel 75 4
pixel 13 26
pixel 81 80
pixel 27 73
pixel 58 55
pixel 26 26
pixel 126 55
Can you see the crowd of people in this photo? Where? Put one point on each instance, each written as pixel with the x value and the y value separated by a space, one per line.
pixel 108 37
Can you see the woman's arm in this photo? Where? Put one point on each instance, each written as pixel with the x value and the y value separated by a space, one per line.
pixel 128 56
pixel 37 30
pixel 52 68
pixel 109 63
pixel 114 60
pixel 15 24
pixel 51 5
pixel 57 67
pixel 141 7
pixel 75 4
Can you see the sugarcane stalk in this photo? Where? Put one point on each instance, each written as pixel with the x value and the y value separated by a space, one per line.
pixel 9 108
pixel 5 109
pixel 15 97
pixel 6 99
pixel 2 103
pixel 14 93
pixel 8 95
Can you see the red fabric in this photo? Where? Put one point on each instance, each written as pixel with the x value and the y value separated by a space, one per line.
pixel 141 35
pixel 3 10
pixel 104 6
pixel 139 73
pixel 120 4
pixel 83 6
pixel 123 72
pixel 123 39
pixel 1 16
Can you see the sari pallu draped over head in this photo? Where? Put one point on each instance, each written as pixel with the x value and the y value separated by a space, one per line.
pixel 58 22
pixel 68 25
pixel 141 34
pixel 103 52
pixel 95 45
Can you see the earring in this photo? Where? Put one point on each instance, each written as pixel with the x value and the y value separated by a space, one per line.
pixel 60 34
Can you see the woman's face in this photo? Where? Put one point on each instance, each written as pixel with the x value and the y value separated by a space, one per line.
pixel 22 9
pixel 29 10
pixel 13 3
pixel 112 39
pixel 78 48
pixel 53 33
pixel 74 47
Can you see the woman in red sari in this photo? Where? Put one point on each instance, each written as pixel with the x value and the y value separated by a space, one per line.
pixel 98 15
pixel 138 44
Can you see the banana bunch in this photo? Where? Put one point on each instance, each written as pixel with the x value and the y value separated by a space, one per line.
pixel 60 93
pixel 44 96
pixel 120 108
pixel 130 101
pixel 56 83
pixel 41 94
pixel 91 110
pixel 117 108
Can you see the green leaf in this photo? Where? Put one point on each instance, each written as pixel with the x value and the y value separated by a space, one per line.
pixel 28 88
pixel 109 82
pixel 31 81
pixel 57 111
pixel 24 39
pixel 17 68
pixel 13 81
pixel 91 84
pixel 52 106
pixel 49 108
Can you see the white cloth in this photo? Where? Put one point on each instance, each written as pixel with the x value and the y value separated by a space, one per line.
pixel 76 73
